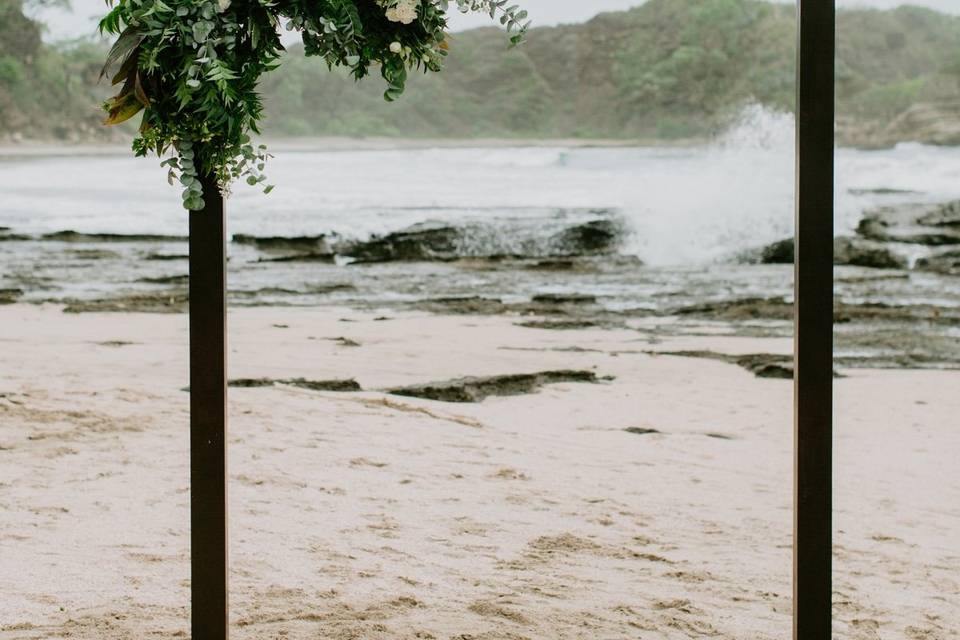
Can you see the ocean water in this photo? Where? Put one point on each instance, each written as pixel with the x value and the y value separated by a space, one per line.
pixel 684 210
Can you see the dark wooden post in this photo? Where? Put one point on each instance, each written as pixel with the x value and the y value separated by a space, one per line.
pixel 208 418
pixel 813 413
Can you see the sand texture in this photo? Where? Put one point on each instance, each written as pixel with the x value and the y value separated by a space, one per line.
pixel 636 496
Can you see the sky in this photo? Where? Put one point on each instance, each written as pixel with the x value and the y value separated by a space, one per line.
pixel 82 19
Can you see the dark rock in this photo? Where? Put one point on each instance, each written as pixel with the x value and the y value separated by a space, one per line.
pixel 9 296
pixel 781 252
pixel 762 365
pixel 742 309
pixel 177 279
pixel 421 242
pixel 564 298
pixel 882 191
pixel 558 264
pixel 558 325
pixel 175 301
pixel 596 237
pixel 946 215
pixel 277 244
pixel 342 386
pixel 641 431
pixel 327 258
pixel 477 389
pixel 472 305
pixel 95 254
pixel 346 342
pixel 76 236
pixel 855 252
pixel 251 383
pixel 490 241
pixel 165 256
pixel 945 262
pixel 927 224
pixel 767 365
pixel 6 236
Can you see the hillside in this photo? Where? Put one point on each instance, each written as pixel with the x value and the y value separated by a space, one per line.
pixel 670 69
pixel 46 92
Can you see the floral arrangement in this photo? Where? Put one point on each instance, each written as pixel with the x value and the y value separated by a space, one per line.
pixel 192 67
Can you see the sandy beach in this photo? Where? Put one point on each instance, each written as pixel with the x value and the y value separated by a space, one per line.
pixel 651 502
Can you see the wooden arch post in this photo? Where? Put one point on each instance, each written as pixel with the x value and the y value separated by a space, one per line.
pixel 813 396
pixel 208 418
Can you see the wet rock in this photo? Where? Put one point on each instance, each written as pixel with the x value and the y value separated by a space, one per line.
pixel 175 301
pixel 341 386
pixel 326 258
pixel 781 252
pixel 251 383
pixel 596 237
pixel 854 252
pixel 564 298
pixel 882 191
pixel 945 262
pixel 762 365
pixel 9 296
pixel 477 389
pixel 165 256
pixel 501 241
pixel 76 236
pixel 559 325
pixel 946 215
pixel 177 279
pixel 766 365
pixel 779 309
pixel 740 310
pixel 285 244
pixel 421 242
pixel 470 305
pixel 95 254
pixel 926 224
pixel 641 431
pixel 907 315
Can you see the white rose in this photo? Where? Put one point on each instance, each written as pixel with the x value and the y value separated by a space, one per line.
pixel 396 47
pixel 405 12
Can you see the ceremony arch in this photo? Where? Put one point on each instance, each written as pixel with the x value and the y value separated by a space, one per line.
pixel 813 381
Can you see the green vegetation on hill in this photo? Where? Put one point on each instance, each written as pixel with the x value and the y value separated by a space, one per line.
pixel 668 69
pixel 46 92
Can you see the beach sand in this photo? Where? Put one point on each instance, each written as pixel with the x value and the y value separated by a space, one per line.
pixel 536 516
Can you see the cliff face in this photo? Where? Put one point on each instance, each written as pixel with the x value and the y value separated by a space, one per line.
pixel 667 70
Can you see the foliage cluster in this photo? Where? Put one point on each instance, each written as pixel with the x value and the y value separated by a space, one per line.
pixel 193 67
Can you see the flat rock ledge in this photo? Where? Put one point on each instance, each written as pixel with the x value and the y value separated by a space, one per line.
pixel 474 389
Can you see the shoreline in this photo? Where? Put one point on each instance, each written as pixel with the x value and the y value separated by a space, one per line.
pixel 36 148
pixel 43 148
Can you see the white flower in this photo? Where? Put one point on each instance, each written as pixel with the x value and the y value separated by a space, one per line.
pixel 405 12
pixel 396 47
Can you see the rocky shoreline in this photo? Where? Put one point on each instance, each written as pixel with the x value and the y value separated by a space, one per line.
pixel 898 297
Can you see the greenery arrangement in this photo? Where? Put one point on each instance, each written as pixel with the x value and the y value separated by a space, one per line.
pixel 193 67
